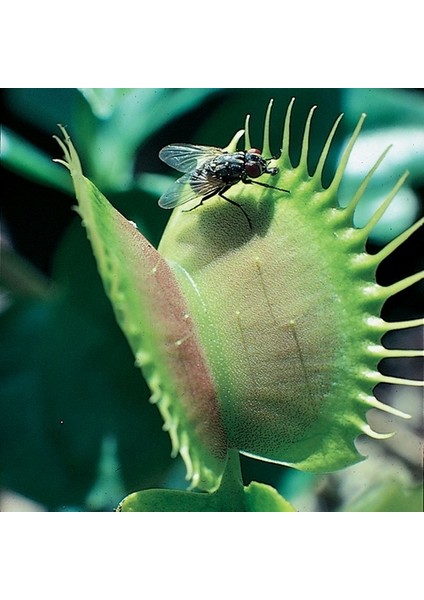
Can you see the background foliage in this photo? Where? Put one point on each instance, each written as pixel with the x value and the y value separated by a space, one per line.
pixel 76 429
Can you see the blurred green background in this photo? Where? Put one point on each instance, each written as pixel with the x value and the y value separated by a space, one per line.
pixel 77 431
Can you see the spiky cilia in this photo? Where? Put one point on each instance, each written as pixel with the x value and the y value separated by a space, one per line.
pixel 264 339
pixel 289 313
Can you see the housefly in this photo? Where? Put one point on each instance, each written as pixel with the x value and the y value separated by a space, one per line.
pixel 210 171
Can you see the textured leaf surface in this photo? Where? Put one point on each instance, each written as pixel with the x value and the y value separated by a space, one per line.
pixel 152 312
pixel 289 303
pixel 266 338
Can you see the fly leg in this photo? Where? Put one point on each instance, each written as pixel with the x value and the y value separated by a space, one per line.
pixel 221 194
pixel 214 193
pixel 236 204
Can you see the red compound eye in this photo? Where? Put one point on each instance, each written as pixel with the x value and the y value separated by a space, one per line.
pixel 255 165
pixel 253 169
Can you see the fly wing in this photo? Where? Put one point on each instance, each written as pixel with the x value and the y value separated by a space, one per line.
pixel 187 157
pixel 189 187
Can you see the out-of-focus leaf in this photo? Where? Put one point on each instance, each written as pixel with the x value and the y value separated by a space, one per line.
pixel 154 183
pixel 391 496
pixel 384 107
pixel 406 154
pixel 111 127
pixel 394 118
pixel 68 381
pixel 29 461
pixel 142 447
pixel 43 107
pixel 27 160
pixel 403 211
pixel 133 115
pixel 108 486
pixel 103 101
pixel 18 277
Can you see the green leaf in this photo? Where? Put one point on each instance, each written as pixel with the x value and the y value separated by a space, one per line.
pixel 68 380
pixel 229 116
pixel 27 160
pixel 169 501
pixel 385 107
pixel 20 277
pixel 68 383
pixel 29 462
pixel 394 119
pixel 291 324
pixel 104 101
pixel 258 497
pixel 128 117
pixel 230 497
pixel 43 107
pixel 150 308
pixel 261 335
pixel 264 498
pixel 390 496
pixel 406 154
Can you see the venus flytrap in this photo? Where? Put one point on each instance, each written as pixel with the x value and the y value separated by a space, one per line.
pixel 261 339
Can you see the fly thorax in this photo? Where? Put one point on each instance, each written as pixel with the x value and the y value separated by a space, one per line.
pixel 229 168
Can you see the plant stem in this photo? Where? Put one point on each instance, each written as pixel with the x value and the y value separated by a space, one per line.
pixel 231 491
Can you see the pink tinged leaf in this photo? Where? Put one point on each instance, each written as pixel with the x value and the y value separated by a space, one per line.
pixel 152 312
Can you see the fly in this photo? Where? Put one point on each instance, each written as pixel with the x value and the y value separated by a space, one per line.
pixel 210 171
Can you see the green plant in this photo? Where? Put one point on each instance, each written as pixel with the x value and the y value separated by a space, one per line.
pixel 77 431
pixel 264 340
